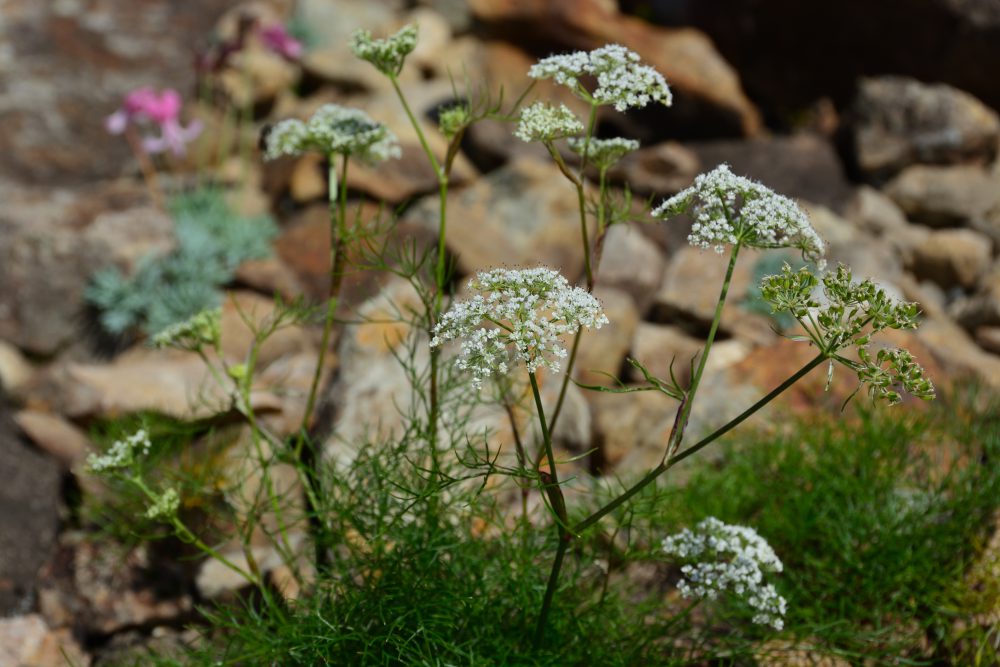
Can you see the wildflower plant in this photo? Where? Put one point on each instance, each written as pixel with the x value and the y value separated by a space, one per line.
pixel 520 315
pixel 721 558
pixel 334 129
pixel 387 55
pixel 546 123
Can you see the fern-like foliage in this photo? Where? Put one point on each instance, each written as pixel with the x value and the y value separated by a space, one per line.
pixel 212 241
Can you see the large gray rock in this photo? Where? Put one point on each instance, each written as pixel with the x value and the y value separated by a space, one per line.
pixel 953 257
pixel 29 516
pixel 953 196
pixel 896 122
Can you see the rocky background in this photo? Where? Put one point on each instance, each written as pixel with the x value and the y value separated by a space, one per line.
pixel 883 124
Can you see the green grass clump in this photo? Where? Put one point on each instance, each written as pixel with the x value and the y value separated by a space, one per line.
pixel 212 241
pixel 877 521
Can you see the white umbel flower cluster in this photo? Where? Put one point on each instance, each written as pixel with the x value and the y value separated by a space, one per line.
pixel 165 506
pixel 334 129
pixel 729 209
pixel 389 54
pixel 122 454
pixel 622 81
pixel 517 316
pixel 543 122
pixel 603 153
pixel 730 559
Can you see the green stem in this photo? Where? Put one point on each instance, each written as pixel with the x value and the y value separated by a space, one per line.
pixel 554 491
pixel 680 456
pixel 678 434
pixel 338 232
pixel 565 382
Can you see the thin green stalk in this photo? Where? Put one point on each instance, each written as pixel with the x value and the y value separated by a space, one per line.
pixel 704 442
pixel 338 232
pixel 678 434
pixel 554 491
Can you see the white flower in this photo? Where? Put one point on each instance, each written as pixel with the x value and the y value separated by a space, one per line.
pixel 729 209
pixel 193 333
pixel 621 80
pixel 334 129
pixel 603 152
pixel 165 506
pixel 386 54
pixel 122 454
pixel 733 559
pixel 542 122
pixel 517 315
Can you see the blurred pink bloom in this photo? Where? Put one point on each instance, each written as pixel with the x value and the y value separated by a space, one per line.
pixel 145 105
pixel 277 38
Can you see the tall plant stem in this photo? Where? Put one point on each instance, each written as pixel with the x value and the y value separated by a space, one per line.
pixel 678 433
pixel 440 271
pixel 338 233
pixel 579 181
pixel 552 489
pixel 701 444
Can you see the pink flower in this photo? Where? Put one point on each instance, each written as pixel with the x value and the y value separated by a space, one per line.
pixel 277 38
pixel 145 105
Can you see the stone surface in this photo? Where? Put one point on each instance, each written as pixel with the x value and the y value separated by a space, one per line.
pixel 801 166
pixel 631 430
pixel 55 436
pixel 29 516
pixel 690 291
pixel 686 57
pixel 896 122
pixel 15 371
pixel 876 214
pixel 522 215
pixel 104 587
pixel 632 263
pixel 67 65
pixel 602 351
pixel 953 257
pixel 790 53
pixel 660 169
pixel 955 196
pixel 27 641
pixel 988 338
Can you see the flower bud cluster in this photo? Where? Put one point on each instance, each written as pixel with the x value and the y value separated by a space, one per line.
pixel 729 210
pixel 603 153
pixel 621 80
pixel 519 316
pixel 389 54
pixel 543 122
pixel 731 559
pixel 334 129
pixel 165 506
pixel 193 333
pixel 851 313
pixel 123 454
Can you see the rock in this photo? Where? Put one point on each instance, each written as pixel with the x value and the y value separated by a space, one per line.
pixel 988 338
pixel 29 517
pixel 244 314
pixel 631 430
pixel 957 196
pixel 983 307
pixel 136 647
pixel 52 242
pixel 896 122
pixel 690 291
pixel 632 263
pixel 791 54
pixel 662 169
pixel 873 258
pixel 524 214
pixel 26 641
pixel 780 653
pixel 658 346
pixel 434 42
pixel 955 350
pixel 15 371
pixel 875 213
pixel 308 181
pixel 603 351
pixel 104 587
pixel 951 257
pixel 801 166
pixel 55 436
pixel 269 275
pixel 54 135
pixel 215 579
pixel 257 76
pixel 685 56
